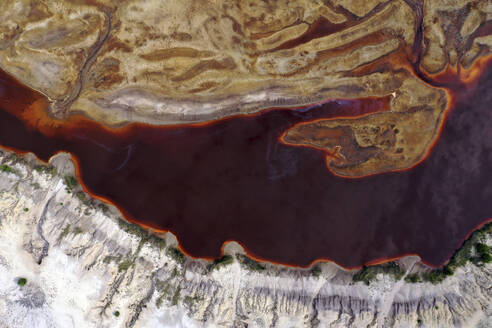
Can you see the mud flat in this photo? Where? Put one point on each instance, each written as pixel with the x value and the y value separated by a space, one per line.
pixel 264 124
pixel 237 179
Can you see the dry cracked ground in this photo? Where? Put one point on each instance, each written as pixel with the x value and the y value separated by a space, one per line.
pixel 164 62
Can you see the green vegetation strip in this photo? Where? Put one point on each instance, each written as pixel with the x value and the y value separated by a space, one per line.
pixel 221 262
pixel 473 250
pixel 51 170
pixel 249 263
pixel 369 273
pixel 464 255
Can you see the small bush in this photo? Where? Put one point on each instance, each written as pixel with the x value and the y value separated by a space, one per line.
pixel 369 273
pixel 316 270
pixel 157 241
pixel 412 278
pixel 116 313
pixel 21 281
pixel 103 207
pixel 447 270
pixel 81 196
pixel 125 265
pixel 486 258
pixel 249 263
pixel 483 252
pixel 221 262
pixel 435 276
pixel 77 230
pixel 133 229
pixel 7 169
pixel 482 248
pixel 70 183
pixel 46 169
pixel 26 209
pixel 108 259
pixel 176 255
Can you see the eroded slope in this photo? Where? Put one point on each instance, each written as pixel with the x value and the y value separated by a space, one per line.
pixel 84 267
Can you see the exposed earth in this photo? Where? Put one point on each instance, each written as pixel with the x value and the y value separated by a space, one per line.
pixel 85 267
pixel 69 260
pixel 188 61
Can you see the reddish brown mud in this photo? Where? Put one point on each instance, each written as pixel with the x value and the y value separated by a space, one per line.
pixel 233 180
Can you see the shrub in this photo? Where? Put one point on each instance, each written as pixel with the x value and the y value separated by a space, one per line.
pixel 176 255
pixel 220 262
pixel 133 229
pixel 21 281
pixel 77 230
pixel 369 273
pixel 435 276
pixel 116 313
pixel 125 265
pixel 366 275
pixel 316 270
pixel 108 259
pixel 70 183
pixel 482 248
pixel 81 196
pixel 486 258
pixel 7 169
pixel 483 252
pixel 156 241
pixel 412 278
pixel 249 263
pixel 46 169
pixel 103 207
pixel 447 270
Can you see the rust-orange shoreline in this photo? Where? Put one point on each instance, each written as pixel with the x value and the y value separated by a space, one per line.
pixel 331 154
pixel 44 119
pixel 127 217
pixel 466 77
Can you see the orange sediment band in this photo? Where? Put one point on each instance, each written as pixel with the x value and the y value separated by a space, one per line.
pixel 468 78
pixel 37 117
pixel 151 229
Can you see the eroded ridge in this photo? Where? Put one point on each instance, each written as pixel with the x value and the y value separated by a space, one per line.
pixel 99 271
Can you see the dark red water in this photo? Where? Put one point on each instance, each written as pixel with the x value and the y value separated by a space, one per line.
pixel 232 179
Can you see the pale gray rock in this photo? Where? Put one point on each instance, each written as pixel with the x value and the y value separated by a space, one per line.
pixel 84 265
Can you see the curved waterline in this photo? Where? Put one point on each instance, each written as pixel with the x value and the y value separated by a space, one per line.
pixel 314 156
